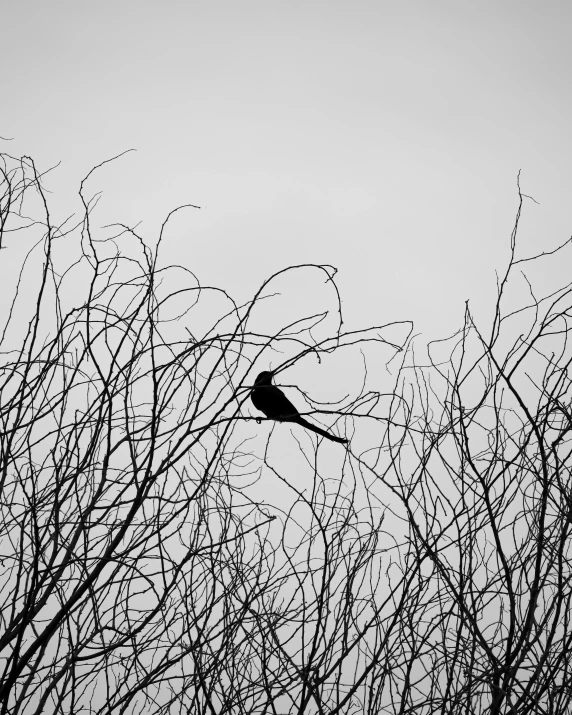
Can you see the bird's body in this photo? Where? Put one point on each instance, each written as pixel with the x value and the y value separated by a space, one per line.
pixel 274 404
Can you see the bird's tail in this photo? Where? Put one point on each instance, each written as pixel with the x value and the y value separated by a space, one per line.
pixel 308 425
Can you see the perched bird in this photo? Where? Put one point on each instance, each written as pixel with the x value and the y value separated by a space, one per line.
pixel 270 400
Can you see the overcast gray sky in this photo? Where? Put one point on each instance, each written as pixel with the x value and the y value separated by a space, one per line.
pixel 382 137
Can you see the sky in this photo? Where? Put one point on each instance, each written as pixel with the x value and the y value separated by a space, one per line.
pixel 384 138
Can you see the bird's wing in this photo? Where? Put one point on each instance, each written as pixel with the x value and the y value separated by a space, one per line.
pixel 270 400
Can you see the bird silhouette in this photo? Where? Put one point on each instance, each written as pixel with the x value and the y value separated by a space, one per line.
pixel 271 401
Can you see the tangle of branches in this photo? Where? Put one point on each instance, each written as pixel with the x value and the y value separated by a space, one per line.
pixel 162 552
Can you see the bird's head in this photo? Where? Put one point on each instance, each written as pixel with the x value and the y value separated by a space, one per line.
pixel 265 378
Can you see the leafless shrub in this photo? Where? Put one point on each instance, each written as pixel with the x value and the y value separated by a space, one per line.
pixel 145 566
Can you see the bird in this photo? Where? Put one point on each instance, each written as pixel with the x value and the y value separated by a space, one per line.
pixel 274 404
